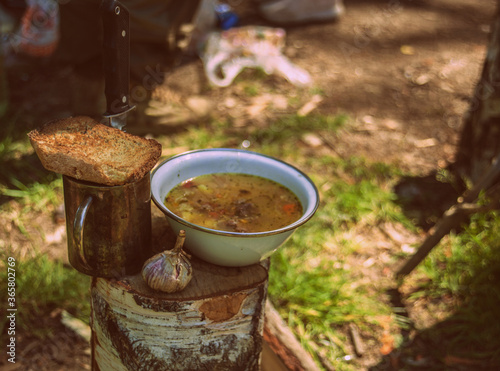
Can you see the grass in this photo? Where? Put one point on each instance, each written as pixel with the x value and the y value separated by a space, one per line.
pixel 467 267
pixel 24 180
pixel 43 285
pixel 278 135
pixel 27 190
pixel 312 281
pixel 313 285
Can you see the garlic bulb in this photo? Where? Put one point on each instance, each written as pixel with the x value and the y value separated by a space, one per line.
pixel 170 270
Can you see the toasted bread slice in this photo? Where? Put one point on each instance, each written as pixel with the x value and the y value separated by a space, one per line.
pixel 84 149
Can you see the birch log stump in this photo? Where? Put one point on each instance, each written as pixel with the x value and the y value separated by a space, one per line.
pixel 215 323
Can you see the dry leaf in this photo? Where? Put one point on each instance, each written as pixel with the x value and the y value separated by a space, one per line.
pixel 256 109
pixel 424 143
pixel 173 151
pixel 407 49
pixel 76 325
pixel 310 106
pixel 450 360
pixel 422 79
pixel 368 262
pixel 312 140
pixel 57 236
pixel 407 249
pixel 387 341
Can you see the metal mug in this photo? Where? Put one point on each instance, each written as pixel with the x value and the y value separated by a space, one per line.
pixel 108 227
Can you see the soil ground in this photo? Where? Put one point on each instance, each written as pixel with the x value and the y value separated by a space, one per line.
pixel 403 71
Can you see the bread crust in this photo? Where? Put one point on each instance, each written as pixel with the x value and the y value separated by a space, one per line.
pixel 85 149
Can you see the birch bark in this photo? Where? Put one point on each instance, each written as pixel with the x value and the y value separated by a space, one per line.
pixel 216 323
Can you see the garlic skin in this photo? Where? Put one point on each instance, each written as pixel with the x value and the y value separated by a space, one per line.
pixel 169 271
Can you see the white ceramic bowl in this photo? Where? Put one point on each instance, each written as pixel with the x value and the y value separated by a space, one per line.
pixel 231 248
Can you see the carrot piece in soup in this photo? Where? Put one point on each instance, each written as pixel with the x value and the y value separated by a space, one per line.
pixel 188 184
pixel 290 208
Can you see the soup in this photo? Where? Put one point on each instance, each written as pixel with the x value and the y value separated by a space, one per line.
pixel 234 202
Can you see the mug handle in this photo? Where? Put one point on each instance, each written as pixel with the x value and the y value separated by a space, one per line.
pixel 78 224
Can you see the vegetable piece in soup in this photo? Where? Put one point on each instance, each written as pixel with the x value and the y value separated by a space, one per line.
pixel 234 202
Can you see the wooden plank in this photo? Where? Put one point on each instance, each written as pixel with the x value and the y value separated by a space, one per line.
pixel 284 345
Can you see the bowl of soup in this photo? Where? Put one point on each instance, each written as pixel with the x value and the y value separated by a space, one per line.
pixel 236 206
